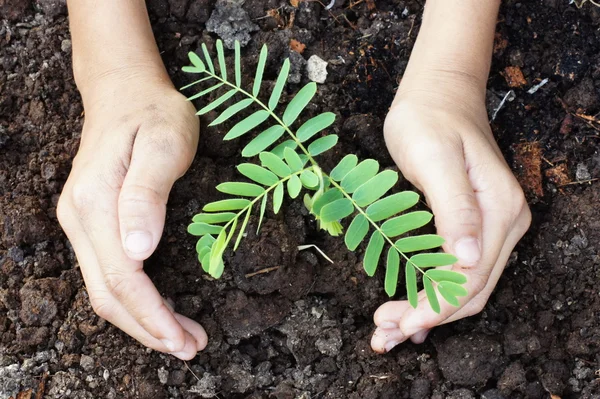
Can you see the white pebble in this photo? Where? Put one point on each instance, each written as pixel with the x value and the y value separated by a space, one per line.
pixel 316 69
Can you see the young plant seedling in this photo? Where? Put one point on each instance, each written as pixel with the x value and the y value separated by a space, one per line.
pixel 352 189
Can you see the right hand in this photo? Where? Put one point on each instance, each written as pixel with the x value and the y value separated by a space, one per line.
pixel 139 136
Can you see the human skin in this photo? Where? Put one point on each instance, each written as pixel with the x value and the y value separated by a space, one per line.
pixel 140 135
pixel 438 133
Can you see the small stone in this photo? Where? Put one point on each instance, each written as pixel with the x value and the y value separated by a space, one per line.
pixel 582 173
pixel 231 22
pixel 163 375
pixel 330 344
pixel 106 374
pixel 316 69
pixel 87 363
pixel 66 45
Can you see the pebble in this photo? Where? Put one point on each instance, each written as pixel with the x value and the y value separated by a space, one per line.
pixel 87 363
pixel 316 69
pixel 582 172
pixel 66 45
pixel 163 375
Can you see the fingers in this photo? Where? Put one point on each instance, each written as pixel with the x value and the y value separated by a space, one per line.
pixel 159 157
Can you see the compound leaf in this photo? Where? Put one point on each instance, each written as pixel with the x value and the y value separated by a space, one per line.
pixel 196 62
pixel 281 79
pixel 327 197
pixel 299 102
pixel 211 218
pixel 247 124
pixel 431 295
pixel 347 163
pixel 282 146
pixel 293 159
pixel 221 57
pixel 410 274
pixel 199 229
pixel 356 232
pixel 375 187
pixel 439 275
pixel 359 175
pixel 322 144
pixel 448 295
pixel 419 243
pixel 373 253
pixel 208 59
pixel 277 197
pixel 205 92
pixel 336 210
pixel 238 64
pixel 205 241
pixel 404 223
pixel 433 260
pixel 226 205
pixel 309 179
pixel 294 186
pixel 391 271
pixel 214 104
pixel 391 205
pixel 242 189
pixel 231 111
pixel 258 174
pixel 260 69
pixel 263 141
pixel 275 164
pixel 315 125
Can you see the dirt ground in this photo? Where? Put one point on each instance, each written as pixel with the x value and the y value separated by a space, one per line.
pixel 303 330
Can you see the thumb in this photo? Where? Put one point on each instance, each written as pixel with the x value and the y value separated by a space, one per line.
pixel 143 198
pixel 449 191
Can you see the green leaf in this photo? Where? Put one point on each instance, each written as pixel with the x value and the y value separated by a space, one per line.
pixel 226 205
pixel 309 179
pixel 234 224
pixel 277 198
pixel 391 272
pixel 216 255
pixel 336 210
pixel 243 228
pixel 439 275
pixel 325 198
pixel 453 288
pixel 192 69
pixel 200 229
pixel 258 174
pixel 419 243
pixel 238 64
pixel 375 187
pixel 242 189
pixel 263 207
pixel 263 141
pixel 231 111
pixel 410 274
pixel 205 92
pixel 211 218
pixel 202 252
pixel 322 144
pixel 260 69
pixel 282 146
pixel 294 186
pixel 404 223
pixel 433 260
pixel 214 104
pixel 373 253
pixel 315 125
pixel 357 231
pixel 447 295
pixel 347 163
pixel 299 102
pixel 196 61
pixel 209 62
pixel 293 159
pixel 275 164
pixel 196 82
pixel 221 57
pixel 359 175
pixel 431 295
pixel 389 206
pixel 247 124
pixel 205 260
pixel 205 241
pixel 281 79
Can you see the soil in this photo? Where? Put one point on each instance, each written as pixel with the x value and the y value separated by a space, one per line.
pixel 303 330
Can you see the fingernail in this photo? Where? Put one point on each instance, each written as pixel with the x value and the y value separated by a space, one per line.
pixel 183 355
pixel 388 324
pixel 170 346
pixel 390 345
pixel 420 337
pixel 468 250
pixel 138 242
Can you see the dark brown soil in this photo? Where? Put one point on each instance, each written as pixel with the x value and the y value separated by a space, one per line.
pixel 303 330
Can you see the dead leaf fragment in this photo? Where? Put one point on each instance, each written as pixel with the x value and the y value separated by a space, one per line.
pixel 294 3
pixel 528 167
pixel 514 76
pixel 297 46
pixel 558 175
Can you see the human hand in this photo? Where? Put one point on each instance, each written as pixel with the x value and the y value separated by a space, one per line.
pixel 440 138
pixel 139 136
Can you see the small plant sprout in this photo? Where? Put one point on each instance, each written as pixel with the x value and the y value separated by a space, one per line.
pixel 288 164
